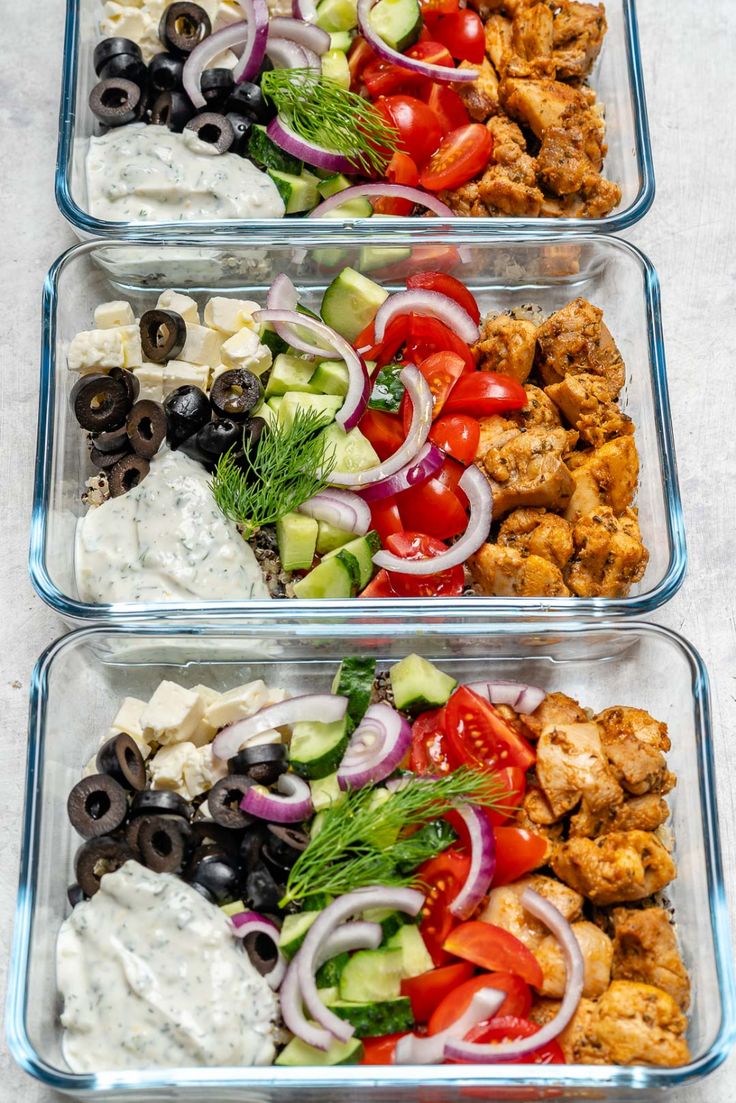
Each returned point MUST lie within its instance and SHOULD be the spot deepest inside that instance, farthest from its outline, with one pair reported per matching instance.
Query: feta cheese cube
(229, 315)
(182, 304)
(179, 373)
(132, 349)
(226, 59)
(168, 765)
(95, 350)
(151, 378)
(226, 13)
(124, 22)
(128, 719)
(240, 702)
(172, 714)
(202, 345)
(116, 313)
(201, 771)
(205, 732)
(244, 350)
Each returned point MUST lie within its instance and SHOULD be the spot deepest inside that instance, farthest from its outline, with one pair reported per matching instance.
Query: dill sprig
(362, 840)
(321, 111)
(289, 465)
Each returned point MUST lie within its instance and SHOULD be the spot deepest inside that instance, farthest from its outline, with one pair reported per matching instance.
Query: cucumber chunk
(372, 975)
(358, 557)
(296, 535)
(340, 1053)
(341, 40)
(299, 193)
(351, 302)
(373, 257)
(397, 22)
(316, 749)
(294, 931)
(329, 538)
(375, 1018)
(333, 184)
(328, 975)
(291, 373)
(325, 792)
(335, 67)
(330, 578)
(326, 404)
(418, 685)
(353, 451)
(337, 15)
(354, 680)
(267, 155)
(330, 377)
(415, 958)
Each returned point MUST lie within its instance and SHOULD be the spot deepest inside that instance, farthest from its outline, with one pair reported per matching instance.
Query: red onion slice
(256, 16)
(376, 748)
(442, 73)
(522, 697)
(421, 422)
(301, 32)
(292, 805)
(547, 913)
(430, 304)
(282, 295)
(304, 9)
(326, 707)
(475, 485)
(202, 54)
(285, 54)
(482, 862)
(427, 460)
(246, 923)
(341, 508)
(396, 191)
(281, 133)
(356, 399)
(413, 1049)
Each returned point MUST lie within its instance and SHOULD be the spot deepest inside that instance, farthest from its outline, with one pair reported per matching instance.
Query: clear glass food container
(501, 272)
(617, 78)
(75, 686)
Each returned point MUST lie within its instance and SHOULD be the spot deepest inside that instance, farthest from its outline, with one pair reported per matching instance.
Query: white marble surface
(690, 235)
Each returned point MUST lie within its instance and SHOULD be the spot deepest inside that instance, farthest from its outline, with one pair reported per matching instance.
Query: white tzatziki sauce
(151, 976)
(141, 173)
(165, 540)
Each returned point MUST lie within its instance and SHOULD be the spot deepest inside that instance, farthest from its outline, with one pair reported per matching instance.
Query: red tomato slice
(447, 106)
(512, 784)
(383, 430)
(463, 154)
(518, 999)
(384, 78)
(484, 393)
(461, 32)
(385, 517)
(447, 285)
(419, 129)
(430, 753)
(380, 586)
(450, 475)
(495, 949)
(509, 1028)
(379, 1051)
(441, 370)
(444, 876)
(458, 435)
(359, 56)
(428, 990)
(518, 851)
(428, 335)
(479, 732)
(434, 509)
(447, 6)
(417, 545)
(400, 170)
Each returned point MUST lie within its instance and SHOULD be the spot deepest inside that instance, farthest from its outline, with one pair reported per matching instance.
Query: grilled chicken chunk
(609, 555)
(615, 868)
(504, 907)
(572, 765)
(574, 341)
(645, 813)
(631, 1024)
(607, 478)
(556, 709)
(536, 532)
(503, 572)
(645, 949)
(597, 950)
(507, 345)
(635, 744)
(529, 471)
(586, 404)
(577, 37)
(480, 96)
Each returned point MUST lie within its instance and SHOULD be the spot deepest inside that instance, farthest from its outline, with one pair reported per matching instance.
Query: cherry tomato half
(418, 545)
(419, 129)
(441, 370)
(447, 106)
(385, 517)
(430, 752)
(461, 32)
(509, 1028)
(428, 990)
(380, 586)
(509, 787)
(379, 1051)
(434, 509)
(485, 393)
(495, 949)
(444, 876)
(479, 733)
(518, 852)
(438, 6)
(447, 285)
(463, 154)
(360, 55)
(518, 999)
(458, 435)
(383, 430)
(400, 170)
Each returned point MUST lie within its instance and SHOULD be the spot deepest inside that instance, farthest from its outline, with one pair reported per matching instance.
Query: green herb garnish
(362, 840)
(324, 113)
(289, 466)
(388, 390)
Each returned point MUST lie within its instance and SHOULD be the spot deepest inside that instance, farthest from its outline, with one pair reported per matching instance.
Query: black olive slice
(114, 47)
(183, 26)
(96, 805)
(235, 393)
(172, 109)
(187, 410)
(163, 335)
(130, 381)
(125, 67)
(116, 440)
(105, 460)
(120, 757)
(262, 891)
(262, 951)
(223, 801)
(216, 879)
(99, 402)
(97, 857)
(216, 86)
(251, 843)
(263, 764)
(281, 849)
(160, 802)
(165, 72)
(217, 436)
(146, 427)
(242, 127)
(206, 832)
(117, 101)
(213, 129)
(248, 99)
(162, 841)
(126, 474)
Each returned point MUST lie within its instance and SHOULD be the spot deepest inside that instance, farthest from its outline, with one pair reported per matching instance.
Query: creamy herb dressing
(141, 173)
(165, 540)
(151, 976)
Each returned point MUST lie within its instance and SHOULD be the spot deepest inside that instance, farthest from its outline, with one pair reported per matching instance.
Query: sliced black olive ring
(183, 26)
(96, 805)
(235, 393)
(116, 440)
(163, 335)
(251, 843)
(121, 758)
(117, 101)
(216, 86)
(187, 410)
(126, 474)
(262, 891)
(263, 763)
(99, 402)
(114, 47)
(162, 841)
(215, 879)
(130, 381)
(97, 857)
(223, 801)
(172, 109)
(146, 427)
(262, 951)
(105, 460)
(216, 130)
(125, 67)
(160, 802)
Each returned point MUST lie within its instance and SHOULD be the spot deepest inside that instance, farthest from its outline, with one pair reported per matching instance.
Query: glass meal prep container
(501, 272)
(617, 78)
(598, 664)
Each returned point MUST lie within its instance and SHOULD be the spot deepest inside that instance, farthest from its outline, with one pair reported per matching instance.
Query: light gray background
(690, 235)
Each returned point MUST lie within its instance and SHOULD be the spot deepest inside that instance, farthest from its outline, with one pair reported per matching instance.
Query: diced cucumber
(415, 958)
(358, 557)
(296, 535)
(294, 931)
(267, 412)
(372, 975)
(373, 257)
(354, 680)
(397, 22)
(341, 40)
(333, 184)
(376, 1018)
(328, 976)
(317, 902)
(267, 155)
(353, 451)
(357, 207)
(330, 578)
(234, 908)
(274, 404)
(271, 339)
(325, 792)
(291, 373)
(329, 995)
(299, 1053)
(299, 193)
(325, 404)
(335, 67)
(351, 302)
(337, 15)
(390, 921)
(316, 749)
(330, 377)
(329, 537)
(418, 685)
(329, 258)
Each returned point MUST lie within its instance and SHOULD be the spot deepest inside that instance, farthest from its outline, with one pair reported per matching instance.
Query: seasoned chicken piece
(504, 907)
(531, 40)
(577, 37)
(540, 104)
(507, 346)
(615, 868)
(597, 197)
(495, 431)
(529, 471)
(540, 412)
(607, 478)
(645, 813)
(572, 765)
(585, 402)
(556, 709)
(465, 201)
(502, 572)
(509, 184)
(479, 96)
(635, 744)
(645, 949)
(574, 341)
(641, 1025)
(536, 532)
(609, 554)
(499, 34)
(535, 815)
(597, 950)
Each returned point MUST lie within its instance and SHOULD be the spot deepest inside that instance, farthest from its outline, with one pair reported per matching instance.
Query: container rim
(86, 224)
(599, 1077)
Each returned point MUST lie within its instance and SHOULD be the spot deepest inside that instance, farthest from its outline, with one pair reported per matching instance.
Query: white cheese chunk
(201, 771)
(172, 714)
(182, 304)
(128, 719)
(229, 315)
(96, 350)
(151, 378)
(205, 732)
(132, 349)
(202, 345)
(167, 766)
(179, 373)
(115, 313)
(244, 350)
(240, 702)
